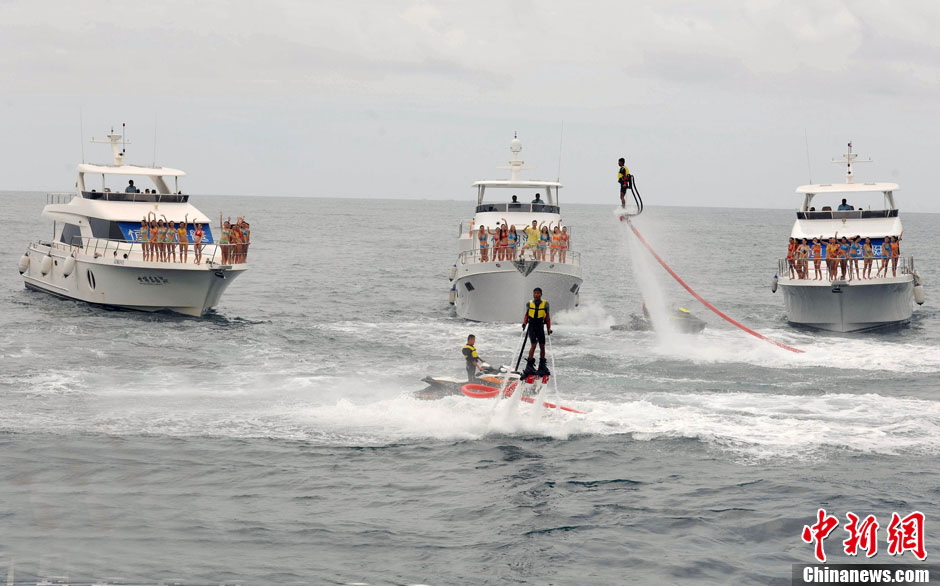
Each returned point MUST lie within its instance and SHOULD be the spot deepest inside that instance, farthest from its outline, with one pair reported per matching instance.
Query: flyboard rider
(536, 318)
(624, 179)
(472, 358)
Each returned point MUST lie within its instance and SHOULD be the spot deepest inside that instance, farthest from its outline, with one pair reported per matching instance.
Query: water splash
(652, 292)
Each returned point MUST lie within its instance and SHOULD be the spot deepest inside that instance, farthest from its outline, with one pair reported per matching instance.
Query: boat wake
(745, 425)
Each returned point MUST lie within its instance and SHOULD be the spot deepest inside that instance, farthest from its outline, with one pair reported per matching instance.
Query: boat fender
(69, 266)
(479, 391)
(23, 265)
(452, 296)
(773, 284)
(918, 290)
(46, 265)
(453, 272)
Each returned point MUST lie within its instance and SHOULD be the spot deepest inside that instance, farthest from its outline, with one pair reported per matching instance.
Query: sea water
(278, 439)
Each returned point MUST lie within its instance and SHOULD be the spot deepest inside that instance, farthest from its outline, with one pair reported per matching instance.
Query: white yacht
(492, 285)
(96, 252)
(846, 301)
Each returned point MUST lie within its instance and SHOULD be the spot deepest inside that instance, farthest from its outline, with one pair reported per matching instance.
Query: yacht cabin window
(71, 234)
(105, 229)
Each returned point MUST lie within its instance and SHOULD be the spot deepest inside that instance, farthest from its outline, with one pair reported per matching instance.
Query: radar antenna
(849, 159)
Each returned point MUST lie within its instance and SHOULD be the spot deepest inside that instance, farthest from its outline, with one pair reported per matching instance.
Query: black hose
(636, 195)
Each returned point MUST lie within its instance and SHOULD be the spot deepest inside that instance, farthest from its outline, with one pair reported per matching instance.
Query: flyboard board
(625, 214)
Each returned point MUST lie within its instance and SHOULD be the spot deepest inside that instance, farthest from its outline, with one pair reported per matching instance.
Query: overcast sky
(710, 102)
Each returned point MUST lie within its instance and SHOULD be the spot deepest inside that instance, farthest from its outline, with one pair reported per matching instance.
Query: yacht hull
(497, 292)
(186, 289)
(849, 306)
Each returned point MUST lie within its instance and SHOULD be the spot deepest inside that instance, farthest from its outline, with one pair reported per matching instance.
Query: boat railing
(136, 196)
(905, 265)
(129, 250)
(845, 214)
(567, 257)
(59, 197)
(539, 208)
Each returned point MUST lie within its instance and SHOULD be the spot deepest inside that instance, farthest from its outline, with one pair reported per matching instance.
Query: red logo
(904, 534)
(864, 536)
(819, 532)
(907, 534)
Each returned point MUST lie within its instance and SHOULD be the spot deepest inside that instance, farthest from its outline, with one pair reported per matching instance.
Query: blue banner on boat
(131, 232)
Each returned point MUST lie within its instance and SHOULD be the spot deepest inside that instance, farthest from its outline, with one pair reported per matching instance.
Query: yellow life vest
(622, 175)
(473, 352)
(537, 311)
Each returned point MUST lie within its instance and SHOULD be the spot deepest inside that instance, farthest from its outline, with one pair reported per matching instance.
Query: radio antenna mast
(154, 139)
(809, 167)
(81, 131)
(561, 142)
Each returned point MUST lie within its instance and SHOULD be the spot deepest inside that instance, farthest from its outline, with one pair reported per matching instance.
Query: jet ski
(444, 386)
(679, 317)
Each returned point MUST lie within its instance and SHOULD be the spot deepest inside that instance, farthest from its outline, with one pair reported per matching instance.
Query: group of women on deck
(505, 243)
(160, 238)
(234, 240)
(843, 254)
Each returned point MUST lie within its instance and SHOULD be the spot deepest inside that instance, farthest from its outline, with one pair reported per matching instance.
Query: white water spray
(651, 291)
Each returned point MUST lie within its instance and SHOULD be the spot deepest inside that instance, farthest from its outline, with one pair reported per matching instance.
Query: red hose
(484, 392)
(699, 297)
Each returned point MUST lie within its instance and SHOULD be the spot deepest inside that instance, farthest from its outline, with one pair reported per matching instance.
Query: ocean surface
(278, 440)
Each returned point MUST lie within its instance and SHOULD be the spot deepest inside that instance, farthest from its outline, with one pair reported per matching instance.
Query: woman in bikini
(791, 257)
(197, 243)
(804, 260)
(481, 239)
(844, 256)
(513, 242)
(246, 238)
(868, 252)
(832, 257)
(234, 242)
(556, 243)
(564, 243)
(502, 242)
(183, 239)
(161, 238)
(816, 254)
(885, 255)
(545, 237)
(151, 237)
(144, 237)
(855, 253)
(223, 242)
(895, 254)
(171, 239)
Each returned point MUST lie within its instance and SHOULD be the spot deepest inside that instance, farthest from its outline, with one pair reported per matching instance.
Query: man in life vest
(536, 317)
(472, 358)
(623, 178)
